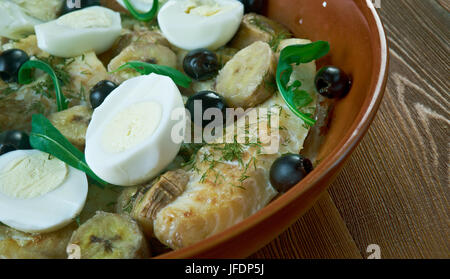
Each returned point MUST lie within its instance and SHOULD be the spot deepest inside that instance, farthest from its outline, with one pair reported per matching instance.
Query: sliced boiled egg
(14, 22)
(129, 139)
(94, 28)
(39, 193)
(194, 24)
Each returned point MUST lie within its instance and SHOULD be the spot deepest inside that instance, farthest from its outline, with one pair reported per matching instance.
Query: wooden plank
(320, 233)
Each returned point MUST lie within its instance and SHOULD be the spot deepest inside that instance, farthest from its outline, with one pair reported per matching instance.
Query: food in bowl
(187, 118)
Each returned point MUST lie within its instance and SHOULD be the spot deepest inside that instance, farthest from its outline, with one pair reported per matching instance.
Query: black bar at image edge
(221, 268)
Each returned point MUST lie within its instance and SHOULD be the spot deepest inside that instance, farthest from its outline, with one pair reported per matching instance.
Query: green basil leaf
(147, 68)
(296, 54)
(25, 77)
(301, 99)
(45, 137)
(143, 16)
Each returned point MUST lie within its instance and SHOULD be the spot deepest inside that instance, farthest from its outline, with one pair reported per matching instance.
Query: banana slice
(141, 51)
(110, 236)
(158, 195)
(73, 123)
(129, 37)
(256, 27)
(248, 79)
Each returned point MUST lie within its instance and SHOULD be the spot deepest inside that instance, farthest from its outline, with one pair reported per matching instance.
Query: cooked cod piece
(110, 236)
(44, 10)
(248, 79)
(73, 123)
(256, 27)
(141, 51)
(18, 245)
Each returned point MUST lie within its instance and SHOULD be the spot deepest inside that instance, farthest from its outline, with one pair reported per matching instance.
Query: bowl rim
(344, 148)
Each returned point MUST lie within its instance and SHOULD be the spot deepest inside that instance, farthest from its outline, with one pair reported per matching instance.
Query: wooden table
(394, 191)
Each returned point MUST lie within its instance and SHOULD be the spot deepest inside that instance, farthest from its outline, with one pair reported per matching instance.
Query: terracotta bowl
(358, 46)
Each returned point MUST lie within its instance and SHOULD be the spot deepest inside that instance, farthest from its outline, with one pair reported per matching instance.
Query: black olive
(5, 148)
(253, 6)
(209, 99)
(288, 170)
(100, 91)
(73, 5)
(332, 82)
(10, 62)
(201, 64)
(18, 139)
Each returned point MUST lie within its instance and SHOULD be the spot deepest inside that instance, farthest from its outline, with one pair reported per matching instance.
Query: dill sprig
(277, 38)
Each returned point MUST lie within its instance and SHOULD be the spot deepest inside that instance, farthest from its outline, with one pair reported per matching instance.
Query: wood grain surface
(394, 191)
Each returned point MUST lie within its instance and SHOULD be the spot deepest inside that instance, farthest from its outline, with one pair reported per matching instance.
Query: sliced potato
(249, 78)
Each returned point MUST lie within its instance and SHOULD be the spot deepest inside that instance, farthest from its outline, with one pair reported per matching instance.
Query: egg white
(68, 36)
(147, 155)
(48, 212)
(15, 23)
(193, 30)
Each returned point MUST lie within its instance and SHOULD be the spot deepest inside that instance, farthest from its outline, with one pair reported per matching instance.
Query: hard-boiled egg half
(14, 22)
(129, 139)
(194, 24)
(94, 28)
(39, 193)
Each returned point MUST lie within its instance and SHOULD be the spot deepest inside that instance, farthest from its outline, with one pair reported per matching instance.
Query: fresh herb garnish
(77, 220)
(277, 38)
(147, 68)
(292, 95)
(45, 137)
(25, 77)
(143, 16)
